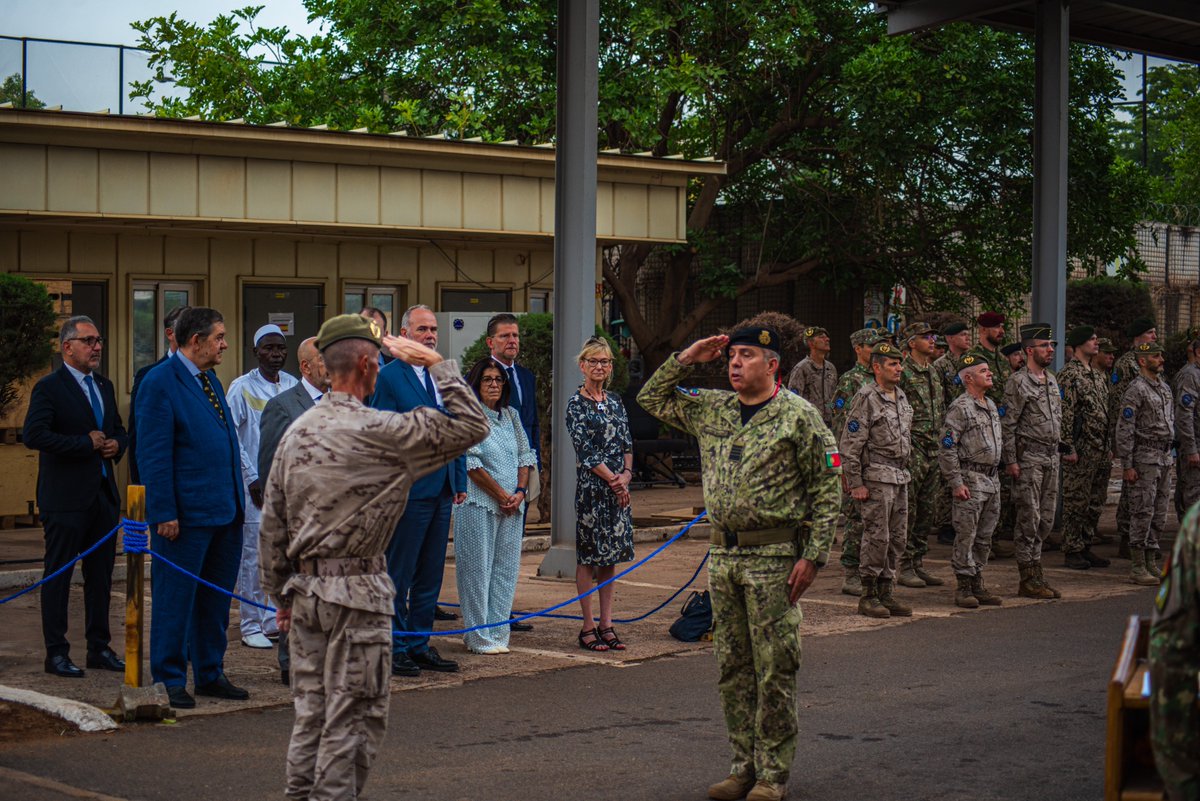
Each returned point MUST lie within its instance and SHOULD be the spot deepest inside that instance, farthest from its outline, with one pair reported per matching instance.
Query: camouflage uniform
(923, 389)
(1175, 667)
(338, 485)
(1001, 372)
(876, 447)
(1187, 410)
(1145, 428)
(1031, 419)
(816, 385)
(1085, 431)
(970, 456)
(849, 385)
(766, 477)
(1124, 370)
(946, 367)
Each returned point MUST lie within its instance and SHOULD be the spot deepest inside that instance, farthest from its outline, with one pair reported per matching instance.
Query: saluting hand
(704, 350)
(410, 351)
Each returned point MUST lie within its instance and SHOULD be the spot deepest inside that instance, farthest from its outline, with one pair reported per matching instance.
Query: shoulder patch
(957, 381)
(1062, 392)
(839, 403)
(691, 392)
(1001, 410)
(948, 441)
(852, 426)
(833, 459)
(1187, 399)
(1127, 413)
(1116, 379)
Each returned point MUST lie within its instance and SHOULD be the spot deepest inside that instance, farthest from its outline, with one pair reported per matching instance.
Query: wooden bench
(1129, 772)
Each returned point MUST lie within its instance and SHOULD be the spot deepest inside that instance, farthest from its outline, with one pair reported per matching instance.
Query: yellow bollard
(135, 564)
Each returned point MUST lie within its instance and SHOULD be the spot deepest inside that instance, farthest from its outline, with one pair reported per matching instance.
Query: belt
(741, 539)
(1033, 446)
(349, 566)
(984, 469)
(896, 463)
(1162, 444)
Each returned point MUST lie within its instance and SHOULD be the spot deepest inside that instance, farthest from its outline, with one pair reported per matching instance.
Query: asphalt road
(1001, 704)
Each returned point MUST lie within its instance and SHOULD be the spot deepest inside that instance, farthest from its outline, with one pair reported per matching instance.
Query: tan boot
(1154, 564)
(982, 594)
(908, 575)
(766, 791)
(1030, 586)
(897, 609)
(929, 579)
(1041, 577)
(1138, 573)
(733, 788)
(868, 602)
(852, 584)
(962, 594)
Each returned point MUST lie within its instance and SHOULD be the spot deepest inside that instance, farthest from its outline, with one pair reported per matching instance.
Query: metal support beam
(1182, 11)
(574, 253)
(917, 15)
(1050, 167)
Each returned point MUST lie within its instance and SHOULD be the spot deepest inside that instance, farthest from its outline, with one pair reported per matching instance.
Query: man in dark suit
(189, 460)
(169, 332)
(74, 424)
(504, 341)
(279, 413)
(417, 552)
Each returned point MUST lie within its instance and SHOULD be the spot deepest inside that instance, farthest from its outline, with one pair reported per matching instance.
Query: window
(540, 301)
(481, 300)
(387, 299)
(151, 302)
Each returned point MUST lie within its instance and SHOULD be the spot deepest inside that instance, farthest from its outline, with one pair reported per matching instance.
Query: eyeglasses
(599, 362)
(91, 342)
(491, 379)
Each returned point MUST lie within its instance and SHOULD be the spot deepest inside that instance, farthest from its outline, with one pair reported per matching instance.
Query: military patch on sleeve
(1001, 410)
(957, 381)
(839, 403)
(1062, 392)
(1127, 413)
(852, 426)
(691, 392)
(948, 440)
(1187, 399)
(1116, 379)
(833, 459)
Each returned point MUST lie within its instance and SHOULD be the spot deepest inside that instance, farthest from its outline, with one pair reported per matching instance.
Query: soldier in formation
(1187, 410)
(1141, 331)
(815, 378)
(770, 465)
(990, 328)
(922, 387)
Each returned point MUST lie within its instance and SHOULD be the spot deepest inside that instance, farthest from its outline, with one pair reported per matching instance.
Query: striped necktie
(212, 396)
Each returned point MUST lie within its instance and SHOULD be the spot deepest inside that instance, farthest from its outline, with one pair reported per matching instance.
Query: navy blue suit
(78, 500)
(416, 554)
(526, 406)
(138, 377)
(189, 461)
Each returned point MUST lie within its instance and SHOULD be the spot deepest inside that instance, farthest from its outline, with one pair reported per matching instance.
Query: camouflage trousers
(341, 670)
(1035, 494)
(1149, 497)
(1006, 526)
(885, 527)
(1083, 483)
(1187, 481)
(756, 637)
(1175, 726)
(974, 522)
(1123, 513)
(924, 489)
(851, 532)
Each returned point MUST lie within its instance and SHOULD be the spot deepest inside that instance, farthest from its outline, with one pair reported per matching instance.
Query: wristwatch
(521, 490)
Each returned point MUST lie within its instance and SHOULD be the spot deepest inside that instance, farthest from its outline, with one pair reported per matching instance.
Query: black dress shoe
(222, 688)
(180, 697)
(441, 614)
(105, 660)
(519, 626)
(61, 665)
(430, 660)
(285, 677)
(402, 665)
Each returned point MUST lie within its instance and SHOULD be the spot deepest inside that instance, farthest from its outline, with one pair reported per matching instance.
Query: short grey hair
(71, 327)
(408, 313)
(341, 357)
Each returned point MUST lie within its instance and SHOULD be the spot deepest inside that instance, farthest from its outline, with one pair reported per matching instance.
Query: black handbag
(695, 618)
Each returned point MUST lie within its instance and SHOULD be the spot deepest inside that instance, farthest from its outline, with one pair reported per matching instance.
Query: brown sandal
(609, 638)
(594, 644)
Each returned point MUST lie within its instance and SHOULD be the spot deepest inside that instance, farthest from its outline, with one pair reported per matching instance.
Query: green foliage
(10, 92)
(1109, 305)
(26, 333)
(1172, 134)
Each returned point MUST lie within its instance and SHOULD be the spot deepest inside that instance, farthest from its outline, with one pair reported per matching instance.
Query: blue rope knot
(136, 536)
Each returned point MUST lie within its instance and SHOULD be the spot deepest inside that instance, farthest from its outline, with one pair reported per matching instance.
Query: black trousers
(69, 534)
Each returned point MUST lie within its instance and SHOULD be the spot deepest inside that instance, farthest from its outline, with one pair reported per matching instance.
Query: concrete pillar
(1050, 168)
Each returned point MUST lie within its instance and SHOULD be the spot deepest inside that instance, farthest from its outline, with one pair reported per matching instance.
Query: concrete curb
(85, 717)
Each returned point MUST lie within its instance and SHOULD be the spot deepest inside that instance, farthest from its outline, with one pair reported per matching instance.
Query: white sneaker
(502, 649)
(490, 650)
(258, 640)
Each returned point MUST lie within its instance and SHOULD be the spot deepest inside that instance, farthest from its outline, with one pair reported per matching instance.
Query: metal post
(574, 253)
(1053, 54)
(121, 79)
(24, 70)
(135, 610)
(1145, 103)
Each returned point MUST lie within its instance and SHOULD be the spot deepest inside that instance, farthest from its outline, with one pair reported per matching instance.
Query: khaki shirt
(340, 481)
(816, 385)
(1031, 419)
(876, 441)
(1146, 423)
(1187, 408)
(972, 439)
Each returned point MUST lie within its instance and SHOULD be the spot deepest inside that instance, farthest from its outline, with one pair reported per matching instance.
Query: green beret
(886, 349)
(1011, 348)
(917, 330)
(954, 328)
(1139, 326)
(1147, 347)
(814, 331)
(970, 359)
(348, 326)
(1036, 331)
(1106, 345)
(759, 336)
(1080, 334)
(864, 336)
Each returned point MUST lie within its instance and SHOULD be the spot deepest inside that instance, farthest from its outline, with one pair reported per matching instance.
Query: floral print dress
(600, 433)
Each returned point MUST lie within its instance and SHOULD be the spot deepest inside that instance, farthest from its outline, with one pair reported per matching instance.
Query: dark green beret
(1036, 331)
(954, 328)
(971, 359)
(1147, 347)
(1011, 348)
(348, 326)
(887, 349)
(814, 331)
(1080, 334)
(1139, 327)
(759, 336)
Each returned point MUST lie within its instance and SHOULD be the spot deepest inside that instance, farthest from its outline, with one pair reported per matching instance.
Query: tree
(1109, 305)
(26, 334)
(1172, 134)
(854, 157)
(10, 92)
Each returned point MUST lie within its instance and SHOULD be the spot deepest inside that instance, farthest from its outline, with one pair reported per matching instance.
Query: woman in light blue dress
(489, 524)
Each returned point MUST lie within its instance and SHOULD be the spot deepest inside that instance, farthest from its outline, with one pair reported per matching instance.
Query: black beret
(1080, 334)
(1011, 348)
(954, 328)
(759, 336)
(1139, 327)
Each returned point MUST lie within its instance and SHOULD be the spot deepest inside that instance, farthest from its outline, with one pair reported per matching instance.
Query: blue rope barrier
(68, 566)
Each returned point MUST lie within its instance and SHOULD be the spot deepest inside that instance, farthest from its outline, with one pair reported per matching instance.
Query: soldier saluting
(768, 463)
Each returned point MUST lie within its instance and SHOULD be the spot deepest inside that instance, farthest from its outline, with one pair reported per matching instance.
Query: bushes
(26, 333)
(1109, 305)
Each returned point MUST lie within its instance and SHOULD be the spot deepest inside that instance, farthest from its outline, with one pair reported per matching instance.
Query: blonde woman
(599, 431)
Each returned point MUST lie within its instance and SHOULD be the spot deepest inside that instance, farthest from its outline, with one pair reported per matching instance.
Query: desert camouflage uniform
(848, 386)
(1001, 372)
(778, 470)
(923, 389)
(946, 366)
(1085, 430)
(970, 455)
(1187, 410)
(876, 448)
(1175, 667)
(1145, 427)
(816, 385)
(1125, 369)
(1031, 420)
(339, 483)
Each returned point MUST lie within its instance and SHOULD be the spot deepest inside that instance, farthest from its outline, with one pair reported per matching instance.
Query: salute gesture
(704, 350)
(410, 351)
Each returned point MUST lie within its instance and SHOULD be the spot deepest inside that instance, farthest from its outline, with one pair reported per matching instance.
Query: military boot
(962, 594)
(1030, 587)
(1093, 560)
(1076, 560)
(868, 602)
(982, 594)
(1123, 551)
(1138, 573)
(894, 607)
(929, 579)
(1041, 577)
(852, 584)
(908, 575)
(766, 791)
(1003, 549)
(733, 788)
(1154, 565)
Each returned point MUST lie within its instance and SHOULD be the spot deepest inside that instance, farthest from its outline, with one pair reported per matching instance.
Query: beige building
(293, 225)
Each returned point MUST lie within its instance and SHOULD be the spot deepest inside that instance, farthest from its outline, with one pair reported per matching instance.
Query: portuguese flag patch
(833, 459)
